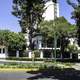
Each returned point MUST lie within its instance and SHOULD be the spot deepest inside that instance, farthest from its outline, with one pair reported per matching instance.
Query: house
(3, 51)
(51, 12)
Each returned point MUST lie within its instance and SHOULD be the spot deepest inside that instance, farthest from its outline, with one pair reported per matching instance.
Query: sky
(10, 22)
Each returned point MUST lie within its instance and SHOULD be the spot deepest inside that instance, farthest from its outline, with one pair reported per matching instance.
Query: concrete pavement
(76, 66)
(15, 61)
(15, 75)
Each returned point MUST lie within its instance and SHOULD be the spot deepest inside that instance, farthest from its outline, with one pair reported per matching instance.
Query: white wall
(49, 12)
(2, 55)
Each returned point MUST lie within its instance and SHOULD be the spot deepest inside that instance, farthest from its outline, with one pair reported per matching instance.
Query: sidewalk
(15, 61)
(76, 66)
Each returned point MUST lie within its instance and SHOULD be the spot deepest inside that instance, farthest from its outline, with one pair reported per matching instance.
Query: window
(3, 50)
(0, 50)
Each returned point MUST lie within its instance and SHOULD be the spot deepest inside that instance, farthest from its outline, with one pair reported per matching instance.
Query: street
(47, 74)
(14, 75)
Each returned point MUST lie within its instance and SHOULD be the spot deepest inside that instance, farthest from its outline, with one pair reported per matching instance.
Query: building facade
(3, 51)
(51, 12)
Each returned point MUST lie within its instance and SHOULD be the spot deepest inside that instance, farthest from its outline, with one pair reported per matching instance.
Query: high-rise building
(52, 10)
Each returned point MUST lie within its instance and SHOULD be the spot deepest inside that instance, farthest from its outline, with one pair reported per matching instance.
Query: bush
(37, 53)
(24, 59)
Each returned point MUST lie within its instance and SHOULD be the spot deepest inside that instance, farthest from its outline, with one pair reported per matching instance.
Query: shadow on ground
(56, 74)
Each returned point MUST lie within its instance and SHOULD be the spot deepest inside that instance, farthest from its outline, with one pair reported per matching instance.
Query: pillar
(17, 53)
(40, 44)
(70, 55)
(61, 56)
(78, 55)
(30, 55)
(41, 54)
(6, 52)
(1, 50)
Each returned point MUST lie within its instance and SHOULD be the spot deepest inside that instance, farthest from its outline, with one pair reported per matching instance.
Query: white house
(3, 51)
(51, 12)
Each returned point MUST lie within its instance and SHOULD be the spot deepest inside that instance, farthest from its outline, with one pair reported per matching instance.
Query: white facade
(3, 52)
(52, 10)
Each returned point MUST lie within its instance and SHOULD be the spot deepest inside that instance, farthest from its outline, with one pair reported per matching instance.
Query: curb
(16, 69)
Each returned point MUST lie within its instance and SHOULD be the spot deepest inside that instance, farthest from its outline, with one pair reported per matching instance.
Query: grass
(33, 67)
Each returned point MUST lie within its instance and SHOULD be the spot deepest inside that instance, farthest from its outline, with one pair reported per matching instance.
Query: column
(30, 55)
(41, 54)
(61, 56)
(17, 53)
(78, 55)
(57, 4)
(70, 55)
(40, 43)
(1, 50)
(6, 52)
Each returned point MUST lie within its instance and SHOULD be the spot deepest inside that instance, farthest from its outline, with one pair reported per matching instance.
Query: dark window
(3, 50)
(0, 50)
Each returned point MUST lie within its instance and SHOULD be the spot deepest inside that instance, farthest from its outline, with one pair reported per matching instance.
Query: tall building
(52, 10)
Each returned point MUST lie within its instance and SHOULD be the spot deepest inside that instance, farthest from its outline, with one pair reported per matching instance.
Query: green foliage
(4, 37)
(76, 15)
(76, 12)
(72, 48)
(16, 41)
(40, 66)
(12, 40)
(57, 29)
(59, 26)
(24, 59)
(28, 12)
(37, 53)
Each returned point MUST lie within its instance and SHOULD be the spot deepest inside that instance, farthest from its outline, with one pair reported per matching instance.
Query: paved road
(50, 74)
(19, 76)
(15, 75)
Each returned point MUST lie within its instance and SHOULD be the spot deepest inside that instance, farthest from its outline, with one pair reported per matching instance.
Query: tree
(4, 37)
(76, 15)
(13, 41)
(16, 41)
(59, 28)
(29, 13)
